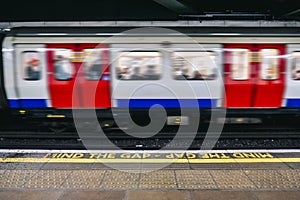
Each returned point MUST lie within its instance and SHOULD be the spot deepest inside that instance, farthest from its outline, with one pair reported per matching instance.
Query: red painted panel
(61, 92)
(269, 93)
(96, 93)
(238, 93)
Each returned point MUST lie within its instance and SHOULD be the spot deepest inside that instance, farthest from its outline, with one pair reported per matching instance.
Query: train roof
(164, 30)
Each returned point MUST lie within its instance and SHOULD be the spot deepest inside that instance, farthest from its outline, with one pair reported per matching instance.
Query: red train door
(95, 77)
(254, 75)
(270, 78)
(239, 75)
(62, 71)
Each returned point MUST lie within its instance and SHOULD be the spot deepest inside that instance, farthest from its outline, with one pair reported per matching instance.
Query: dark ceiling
(92, 10)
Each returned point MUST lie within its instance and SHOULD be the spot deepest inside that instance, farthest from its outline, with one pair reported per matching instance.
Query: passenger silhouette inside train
(124, 73)
(181, 74)
(150, 73)
(33, 69)
(137, 75)
(296, 74)
(198, 76)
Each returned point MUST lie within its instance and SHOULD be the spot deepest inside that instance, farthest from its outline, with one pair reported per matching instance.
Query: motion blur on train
(252, 74)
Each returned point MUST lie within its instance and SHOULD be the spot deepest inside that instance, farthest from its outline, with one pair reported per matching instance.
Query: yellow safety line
(118, 160)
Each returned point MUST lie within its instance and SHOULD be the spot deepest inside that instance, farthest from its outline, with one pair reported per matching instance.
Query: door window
(93, 64)
(239, 64)
(269, 64)
(63, 68)
(31, 65)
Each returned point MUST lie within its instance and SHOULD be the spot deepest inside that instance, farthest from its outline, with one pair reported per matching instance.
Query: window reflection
(194, 65)
(139, 66)
(269, 64)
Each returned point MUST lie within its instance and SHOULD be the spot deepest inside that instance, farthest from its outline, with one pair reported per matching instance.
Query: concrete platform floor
(147, 195)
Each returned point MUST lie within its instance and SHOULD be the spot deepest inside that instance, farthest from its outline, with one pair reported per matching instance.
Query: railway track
(232, 137)
(226, 141)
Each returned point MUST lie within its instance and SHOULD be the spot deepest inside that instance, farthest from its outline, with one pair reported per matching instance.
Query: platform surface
(244, 174)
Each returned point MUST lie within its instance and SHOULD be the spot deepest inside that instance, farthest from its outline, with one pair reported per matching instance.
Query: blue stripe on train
(27, 103)
(167, 103)
(293, 103)
(13, 103)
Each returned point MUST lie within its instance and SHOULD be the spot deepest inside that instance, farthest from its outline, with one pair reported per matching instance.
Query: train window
(194, 65)
(239, 64)
(31, 65)
(296, 65)
(269, 64)
(138, 65)
(93, 64)
(63, 68)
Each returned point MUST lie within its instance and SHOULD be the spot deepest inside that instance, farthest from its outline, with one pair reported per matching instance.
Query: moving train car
(252, 73)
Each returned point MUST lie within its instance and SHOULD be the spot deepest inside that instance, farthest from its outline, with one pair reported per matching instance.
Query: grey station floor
(243, 174)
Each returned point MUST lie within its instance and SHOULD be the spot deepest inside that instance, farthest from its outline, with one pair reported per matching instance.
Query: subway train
(252, 74)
